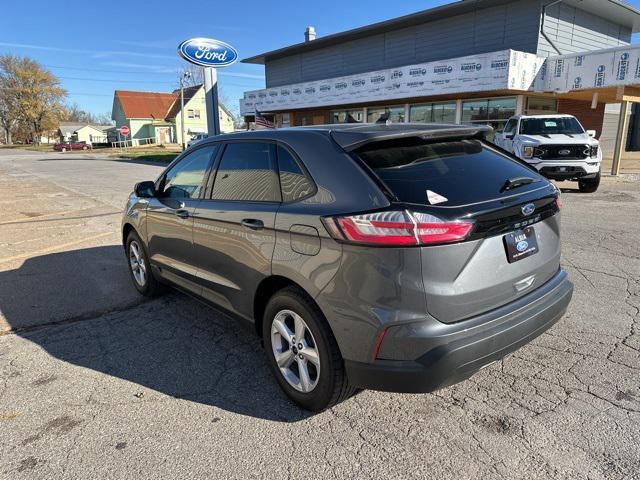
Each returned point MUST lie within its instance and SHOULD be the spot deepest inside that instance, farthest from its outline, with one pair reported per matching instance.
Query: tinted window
(462, 171)
(185, 178)
(293, 182)
(247, 171)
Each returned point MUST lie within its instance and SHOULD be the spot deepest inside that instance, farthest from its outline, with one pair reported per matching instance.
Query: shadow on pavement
(173, 345)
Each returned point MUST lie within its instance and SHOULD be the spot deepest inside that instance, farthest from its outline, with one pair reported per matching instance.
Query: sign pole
(211, 99)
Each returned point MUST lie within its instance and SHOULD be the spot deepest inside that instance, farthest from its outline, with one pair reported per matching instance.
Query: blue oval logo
(522, 245)
(208, 52)
(528, 209)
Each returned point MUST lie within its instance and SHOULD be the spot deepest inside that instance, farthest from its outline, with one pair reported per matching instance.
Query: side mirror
(591, 133)
(145, 189)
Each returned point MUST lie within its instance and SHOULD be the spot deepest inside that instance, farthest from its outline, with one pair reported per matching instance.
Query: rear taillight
(432, 229)
(397, 228)
(558, 202)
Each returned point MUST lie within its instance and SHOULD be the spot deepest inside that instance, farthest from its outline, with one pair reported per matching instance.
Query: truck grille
(562, 152)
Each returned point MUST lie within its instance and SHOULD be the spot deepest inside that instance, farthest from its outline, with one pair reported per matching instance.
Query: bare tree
(73, 113)
(195, 77)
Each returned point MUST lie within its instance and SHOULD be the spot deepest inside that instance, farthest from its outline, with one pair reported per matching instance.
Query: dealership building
(472, 61)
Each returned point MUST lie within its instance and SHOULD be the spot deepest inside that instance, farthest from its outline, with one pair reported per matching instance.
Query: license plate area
(520, 244)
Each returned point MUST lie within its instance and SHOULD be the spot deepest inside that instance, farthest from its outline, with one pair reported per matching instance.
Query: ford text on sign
(208, 52)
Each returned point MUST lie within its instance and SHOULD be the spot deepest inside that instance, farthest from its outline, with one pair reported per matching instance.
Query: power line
(151, 72)
(111, 94)
(136, 72)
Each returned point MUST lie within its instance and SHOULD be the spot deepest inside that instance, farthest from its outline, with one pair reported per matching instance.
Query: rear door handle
(182, 213)
(252, 223)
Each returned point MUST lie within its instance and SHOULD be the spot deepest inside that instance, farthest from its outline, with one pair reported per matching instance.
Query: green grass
(157, 154)
(34, 148)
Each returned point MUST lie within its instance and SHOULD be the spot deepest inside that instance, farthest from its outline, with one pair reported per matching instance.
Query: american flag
(263, 122)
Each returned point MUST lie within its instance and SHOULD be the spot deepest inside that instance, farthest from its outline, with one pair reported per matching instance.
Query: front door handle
(252, 223)
(182, 213)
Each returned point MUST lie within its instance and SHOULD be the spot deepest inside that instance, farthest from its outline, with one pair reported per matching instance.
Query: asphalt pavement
(97, 383)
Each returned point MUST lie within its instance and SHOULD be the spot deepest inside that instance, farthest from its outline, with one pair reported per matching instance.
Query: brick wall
(590, 118)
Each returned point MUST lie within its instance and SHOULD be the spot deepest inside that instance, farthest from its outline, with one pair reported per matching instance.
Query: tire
(589, 185)
(330, 383)
(146, 283)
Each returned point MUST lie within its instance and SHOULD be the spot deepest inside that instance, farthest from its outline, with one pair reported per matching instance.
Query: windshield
(550, 126)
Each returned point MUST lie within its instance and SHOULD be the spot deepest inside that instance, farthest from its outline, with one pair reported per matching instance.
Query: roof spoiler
(352, 140)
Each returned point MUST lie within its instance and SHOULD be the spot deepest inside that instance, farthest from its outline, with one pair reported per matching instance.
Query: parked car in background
(196, 138)
(65, 146)
(557, 146)
(401, 257)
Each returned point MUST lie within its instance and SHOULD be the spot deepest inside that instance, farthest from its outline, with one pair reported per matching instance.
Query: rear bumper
(457, 352)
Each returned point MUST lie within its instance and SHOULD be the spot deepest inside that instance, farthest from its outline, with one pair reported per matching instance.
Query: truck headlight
(594, 151)
(527, 152)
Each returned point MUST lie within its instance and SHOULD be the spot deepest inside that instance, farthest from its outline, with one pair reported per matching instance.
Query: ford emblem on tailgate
(208, 52)
(528, 209)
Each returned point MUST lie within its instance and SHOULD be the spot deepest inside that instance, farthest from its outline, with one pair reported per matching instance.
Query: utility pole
(185, 76)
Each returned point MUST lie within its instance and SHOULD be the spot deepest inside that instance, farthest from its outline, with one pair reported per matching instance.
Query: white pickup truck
(556, 145)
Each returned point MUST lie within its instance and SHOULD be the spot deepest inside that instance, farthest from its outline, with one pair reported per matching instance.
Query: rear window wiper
(516, 182)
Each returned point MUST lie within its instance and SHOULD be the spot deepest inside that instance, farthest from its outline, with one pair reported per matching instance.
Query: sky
(95, 47)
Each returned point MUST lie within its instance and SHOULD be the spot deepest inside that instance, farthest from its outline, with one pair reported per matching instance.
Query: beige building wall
(196, 107)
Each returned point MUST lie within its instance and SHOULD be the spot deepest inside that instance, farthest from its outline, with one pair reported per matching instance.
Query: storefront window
(541, 105)
(493, 111)
(283, 120)
(433, 113)
(347, 116)
(393, 114)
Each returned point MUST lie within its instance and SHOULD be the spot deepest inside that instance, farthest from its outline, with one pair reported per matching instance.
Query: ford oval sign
(208, 52)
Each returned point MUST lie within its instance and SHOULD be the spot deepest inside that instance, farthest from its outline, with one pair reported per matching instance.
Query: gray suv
(400, 258)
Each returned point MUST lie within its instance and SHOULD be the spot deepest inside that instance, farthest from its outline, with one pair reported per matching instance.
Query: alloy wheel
(295, 351)
(136, 262)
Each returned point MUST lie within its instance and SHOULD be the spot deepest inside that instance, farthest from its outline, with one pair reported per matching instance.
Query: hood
(559, 139)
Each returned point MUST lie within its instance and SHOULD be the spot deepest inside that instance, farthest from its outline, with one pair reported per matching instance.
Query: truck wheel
(589, 185)
(302, 352)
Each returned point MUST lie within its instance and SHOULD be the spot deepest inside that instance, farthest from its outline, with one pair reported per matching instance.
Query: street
(98, 382)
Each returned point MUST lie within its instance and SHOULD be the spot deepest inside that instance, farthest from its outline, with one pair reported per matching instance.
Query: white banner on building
(466, 74)
(504, 70)
(604, 68)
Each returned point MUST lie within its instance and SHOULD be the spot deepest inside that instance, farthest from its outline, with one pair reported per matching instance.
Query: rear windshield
(550, 126)
(451, 173)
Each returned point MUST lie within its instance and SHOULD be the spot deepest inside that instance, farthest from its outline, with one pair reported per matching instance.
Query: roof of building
(154, 105)
(71, 127)
(189, 93)
(615, 11)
